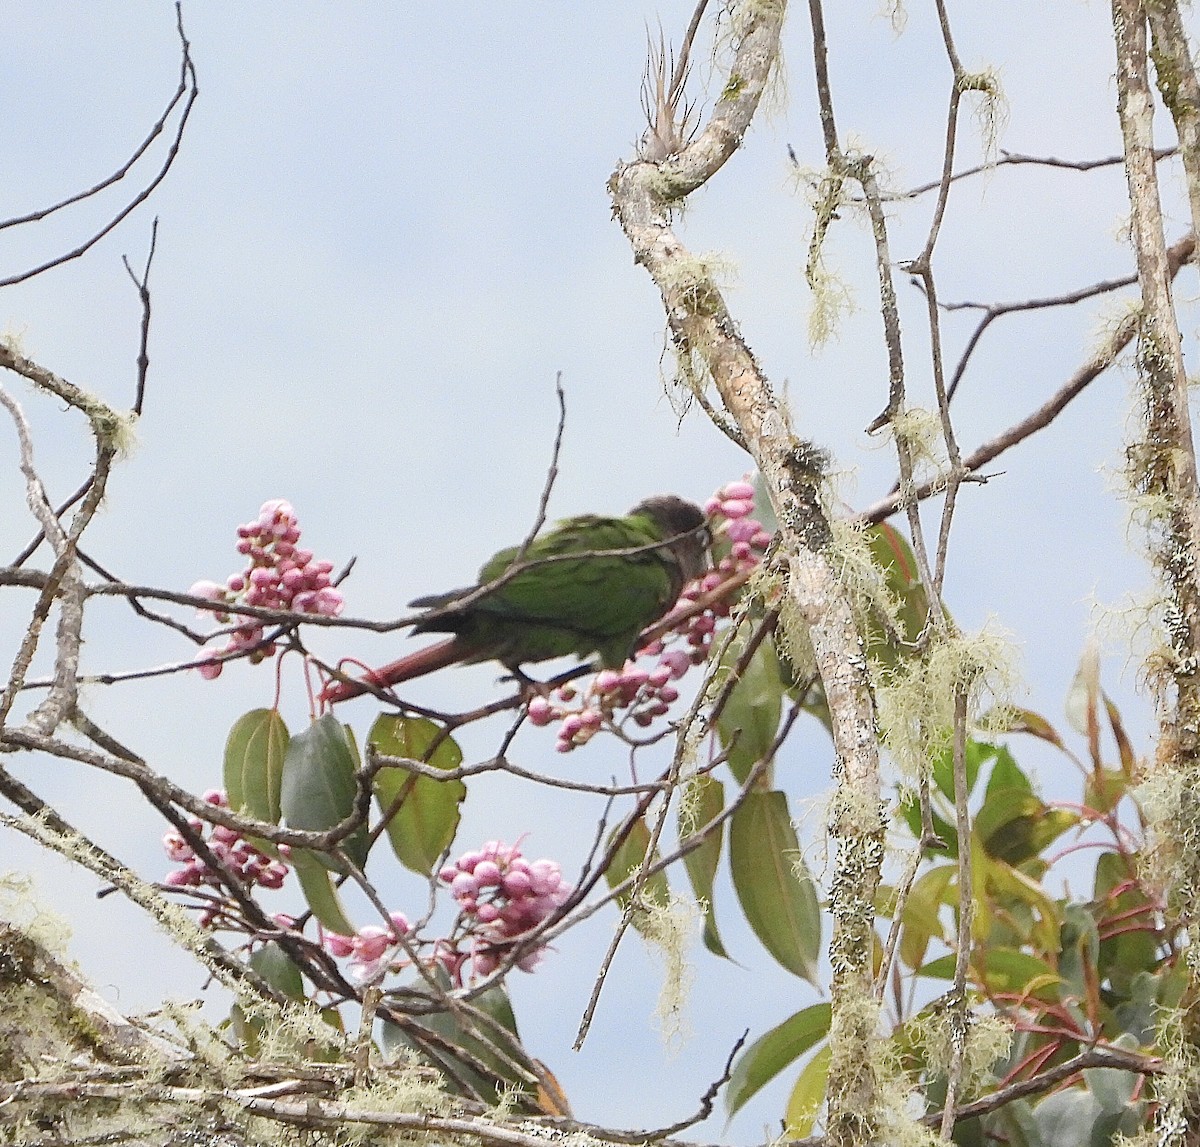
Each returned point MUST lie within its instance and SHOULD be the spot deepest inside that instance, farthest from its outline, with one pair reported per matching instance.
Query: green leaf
(894, 556)
(1027, 721)
(1006, 773)
(1026, 829)
(750, 719)
(922, 913)
(1072, 1118)
(772, 883)
(627, 860)
(1010, 888)
(768, 1055)
(276, 967)
(428, 816)
(1008, 971)
(320, 894)
(498, 1048)
(318, 787)
(807, 1096)
(703, 802)
(254, 755)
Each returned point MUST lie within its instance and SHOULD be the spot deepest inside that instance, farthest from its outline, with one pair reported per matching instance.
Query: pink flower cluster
(246, 861)
(371, 949)
(501, 895)
(278, 575)
(643, 695)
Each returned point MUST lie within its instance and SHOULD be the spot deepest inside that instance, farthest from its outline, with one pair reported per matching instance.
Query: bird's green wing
(593, 604)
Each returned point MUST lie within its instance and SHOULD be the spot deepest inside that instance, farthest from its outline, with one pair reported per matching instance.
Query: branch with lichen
(1162, 475)
(794, 474)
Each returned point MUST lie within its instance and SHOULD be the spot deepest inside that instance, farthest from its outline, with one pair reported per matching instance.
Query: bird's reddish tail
(427, 660)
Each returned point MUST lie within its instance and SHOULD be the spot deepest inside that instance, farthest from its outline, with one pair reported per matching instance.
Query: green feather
(594, 604)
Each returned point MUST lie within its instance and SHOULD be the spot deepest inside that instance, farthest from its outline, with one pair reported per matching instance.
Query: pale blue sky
(386, 232)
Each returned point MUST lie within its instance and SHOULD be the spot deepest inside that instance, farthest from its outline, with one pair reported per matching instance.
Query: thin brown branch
(186, 92)
(1108, 353)
(143, 290)
(1016, 159)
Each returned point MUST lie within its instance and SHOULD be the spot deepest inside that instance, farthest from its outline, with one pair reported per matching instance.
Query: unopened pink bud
(339, 946)
(447, 874)
(210, 668)
(176, 848)
(484, 963)
(742, 491)
(463, 885)
(540, 712)
(570, 726)
(531, 960)
(607, 680)
(544, 876)
(468, 860)
(487, 913)
(272, 877)
(400, 924)
(371, 942)
(209, 590)
(733, 508)
(743, 529)
(487, 873)
(677, 661)
(329, 601)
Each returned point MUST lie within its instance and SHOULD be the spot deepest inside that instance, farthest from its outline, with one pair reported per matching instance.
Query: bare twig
(186, 94)
(1179, 254)
(143, 290)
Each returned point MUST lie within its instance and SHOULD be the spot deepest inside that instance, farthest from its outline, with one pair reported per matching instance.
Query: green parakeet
(582, 606)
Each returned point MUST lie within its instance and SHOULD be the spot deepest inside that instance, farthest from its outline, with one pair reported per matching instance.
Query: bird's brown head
(677, 518)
